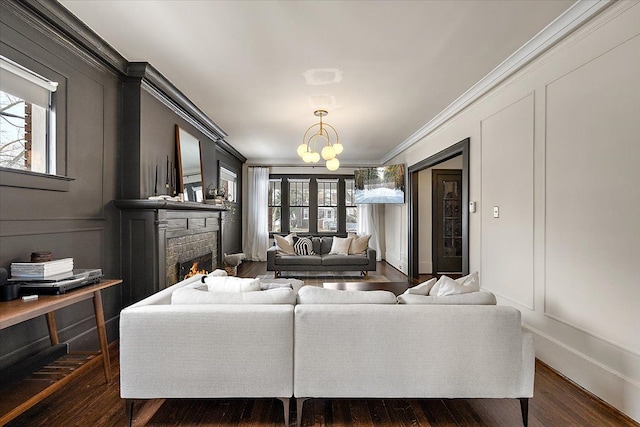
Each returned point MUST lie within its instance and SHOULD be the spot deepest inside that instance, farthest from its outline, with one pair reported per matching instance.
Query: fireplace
(199, 265)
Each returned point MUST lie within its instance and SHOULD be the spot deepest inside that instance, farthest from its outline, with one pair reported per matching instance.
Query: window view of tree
(22, 134)
(275, 206)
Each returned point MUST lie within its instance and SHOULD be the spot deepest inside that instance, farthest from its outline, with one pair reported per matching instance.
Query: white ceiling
(242, 62)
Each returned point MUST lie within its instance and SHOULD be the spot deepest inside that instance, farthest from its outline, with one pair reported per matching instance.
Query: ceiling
(394, 65)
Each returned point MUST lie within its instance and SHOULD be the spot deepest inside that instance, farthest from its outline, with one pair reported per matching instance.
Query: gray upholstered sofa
(321, 260)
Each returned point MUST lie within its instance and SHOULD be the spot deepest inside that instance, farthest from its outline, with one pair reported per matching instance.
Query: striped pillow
(302, 246)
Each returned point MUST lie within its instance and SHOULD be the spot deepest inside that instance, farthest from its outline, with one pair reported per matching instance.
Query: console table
(17, 311)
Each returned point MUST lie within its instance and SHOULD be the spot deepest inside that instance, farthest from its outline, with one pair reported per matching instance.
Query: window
(228, 184)
(275, 205)
(350, 206)
(298, 205)
(27, 119)
(322, 204)
(327, 205)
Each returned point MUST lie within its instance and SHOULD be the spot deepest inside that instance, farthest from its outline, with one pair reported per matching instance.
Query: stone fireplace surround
(157, 236)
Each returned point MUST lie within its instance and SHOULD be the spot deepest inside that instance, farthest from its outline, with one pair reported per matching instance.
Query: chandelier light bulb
(328, 152)
(333, 164)
(315, 157)
(307, 156)
(337, 147)
(302, 148)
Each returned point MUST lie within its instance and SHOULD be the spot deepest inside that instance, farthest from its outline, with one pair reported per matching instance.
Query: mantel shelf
(165, 204)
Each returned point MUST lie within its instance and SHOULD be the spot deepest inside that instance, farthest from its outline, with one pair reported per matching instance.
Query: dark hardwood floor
(88, 401)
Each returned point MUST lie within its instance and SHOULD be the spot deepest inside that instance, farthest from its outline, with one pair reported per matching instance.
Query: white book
(41, 269)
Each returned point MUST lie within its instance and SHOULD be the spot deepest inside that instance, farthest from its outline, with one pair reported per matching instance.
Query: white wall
(557, 148)
(425, 213)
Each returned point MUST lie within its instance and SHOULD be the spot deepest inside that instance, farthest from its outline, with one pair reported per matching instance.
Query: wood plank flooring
(88, 401)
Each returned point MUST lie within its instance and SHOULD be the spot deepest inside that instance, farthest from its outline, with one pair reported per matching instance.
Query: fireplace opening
(199, 265)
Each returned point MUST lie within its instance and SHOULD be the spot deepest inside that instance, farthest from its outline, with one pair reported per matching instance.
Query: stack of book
(41, 270)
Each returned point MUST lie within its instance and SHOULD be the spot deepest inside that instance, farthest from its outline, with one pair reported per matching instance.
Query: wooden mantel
(166, 204)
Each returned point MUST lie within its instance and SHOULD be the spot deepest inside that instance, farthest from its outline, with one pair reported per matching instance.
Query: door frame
(460, 148)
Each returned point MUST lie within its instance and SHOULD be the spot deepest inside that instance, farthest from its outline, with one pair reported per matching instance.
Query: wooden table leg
(102, 334)
(53, 330)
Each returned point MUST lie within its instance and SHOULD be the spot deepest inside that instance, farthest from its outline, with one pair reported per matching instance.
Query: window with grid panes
(351, 210)
(327, 205)
(275, 206)
(298, 205)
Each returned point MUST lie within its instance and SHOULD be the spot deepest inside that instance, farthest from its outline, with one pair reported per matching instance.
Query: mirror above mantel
(189, 166)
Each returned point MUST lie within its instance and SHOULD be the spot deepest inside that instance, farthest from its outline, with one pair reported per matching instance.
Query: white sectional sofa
(331, 344)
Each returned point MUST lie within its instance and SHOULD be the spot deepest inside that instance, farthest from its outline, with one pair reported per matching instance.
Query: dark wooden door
(447, 220)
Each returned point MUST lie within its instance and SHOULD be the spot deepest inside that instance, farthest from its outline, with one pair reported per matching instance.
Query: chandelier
(307, 150)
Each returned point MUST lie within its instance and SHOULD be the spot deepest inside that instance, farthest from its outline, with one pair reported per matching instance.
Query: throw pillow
(359, 245)
(302, 246)
(447, 286)
(231, 284)
(422, 288)
(285, 244)
(340, 245)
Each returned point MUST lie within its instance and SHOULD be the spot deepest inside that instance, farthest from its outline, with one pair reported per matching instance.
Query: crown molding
(579, 13)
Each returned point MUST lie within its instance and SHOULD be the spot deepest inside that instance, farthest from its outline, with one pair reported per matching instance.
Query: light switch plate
(496, 212)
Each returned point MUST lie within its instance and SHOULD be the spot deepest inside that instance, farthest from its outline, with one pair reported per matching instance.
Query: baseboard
(395, 262)
(425, 267)
(614, 388)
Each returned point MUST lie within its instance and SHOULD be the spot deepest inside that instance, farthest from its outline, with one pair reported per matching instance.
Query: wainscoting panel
(507, 183)
(593, 197)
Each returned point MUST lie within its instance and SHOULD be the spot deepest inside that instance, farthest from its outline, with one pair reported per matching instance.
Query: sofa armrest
(371, 254)
(271, 258)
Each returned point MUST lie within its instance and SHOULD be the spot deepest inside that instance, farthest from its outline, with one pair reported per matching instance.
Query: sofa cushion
(359, 245)
(447, 286)
(303, 246)
(285, 244)
(325, 245)
(231, 284)
(269, 283)
(340, 245)
(472, 298)
(195, 296)
(354, 260)
(317, 245)
(317, 295)
(284, 260)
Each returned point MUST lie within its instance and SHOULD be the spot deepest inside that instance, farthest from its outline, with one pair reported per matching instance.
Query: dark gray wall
(115, 122)
(79, 222)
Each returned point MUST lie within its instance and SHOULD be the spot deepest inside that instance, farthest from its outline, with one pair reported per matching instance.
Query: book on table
(41, 269)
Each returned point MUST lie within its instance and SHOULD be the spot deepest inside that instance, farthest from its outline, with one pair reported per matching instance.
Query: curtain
(256, 239)
(369, 220)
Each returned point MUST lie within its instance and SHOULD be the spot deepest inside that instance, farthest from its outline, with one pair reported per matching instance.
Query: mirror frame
(182, 136)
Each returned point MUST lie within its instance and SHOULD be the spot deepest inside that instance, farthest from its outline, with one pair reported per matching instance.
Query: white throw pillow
(447, 286)
(285, 244)
(359, 245)
(317, 295)
(217, 272)
(340, 246)
(422, 288)
(231, 284)
(194, 296)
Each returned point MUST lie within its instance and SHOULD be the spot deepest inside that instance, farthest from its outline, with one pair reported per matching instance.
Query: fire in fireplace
(199, 265)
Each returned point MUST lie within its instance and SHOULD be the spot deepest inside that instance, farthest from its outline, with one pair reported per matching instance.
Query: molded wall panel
(507, 183)
(593, 197)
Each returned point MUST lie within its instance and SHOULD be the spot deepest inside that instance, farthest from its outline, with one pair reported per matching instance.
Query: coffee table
(396, 287)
